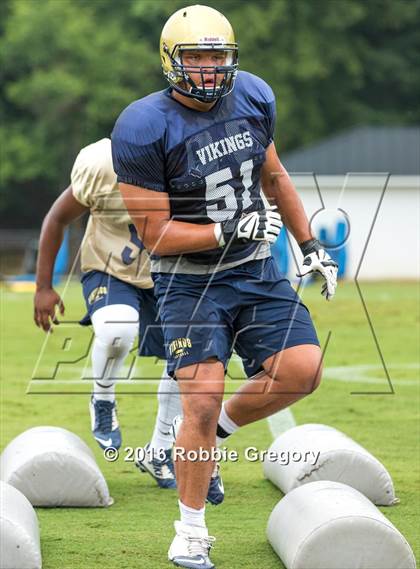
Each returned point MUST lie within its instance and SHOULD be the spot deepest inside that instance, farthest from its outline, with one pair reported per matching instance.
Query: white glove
(317, 260)
(264, 225)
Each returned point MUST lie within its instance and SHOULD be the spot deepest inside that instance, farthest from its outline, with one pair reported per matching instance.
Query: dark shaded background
(68, 68)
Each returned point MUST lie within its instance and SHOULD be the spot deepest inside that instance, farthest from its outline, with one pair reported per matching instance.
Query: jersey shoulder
(95, 156)
(92, 172)
(254, 87)
(143, 121)
(138, 142)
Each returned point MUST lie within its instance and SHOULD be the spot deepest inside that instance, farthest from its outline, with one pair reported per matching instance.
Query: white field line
(352, 374)
(280, 422)
(360, 373)
(284, 420)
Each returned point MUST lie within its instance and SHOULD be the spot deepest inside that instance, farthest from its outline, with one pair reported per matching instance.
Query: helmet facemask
(180, 73)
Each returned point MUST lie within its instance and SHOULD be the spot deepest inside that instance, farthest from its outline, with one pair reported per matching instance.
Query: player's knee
(116, 328)
(117, 339)
(204, 414)
(303, 370)
(313, 378)
(309, 374)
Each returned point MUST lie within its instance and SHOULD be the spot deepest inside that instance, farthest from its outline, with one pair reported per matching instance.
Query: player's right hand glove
(264, 225)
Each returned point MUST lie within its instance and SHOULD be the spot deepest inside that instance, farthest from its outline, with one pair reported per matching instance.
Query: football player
(118, 292)
(191, 162)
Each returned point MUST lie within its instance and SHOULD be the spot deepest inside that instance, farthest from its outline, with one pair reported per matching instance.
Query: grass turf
(137, 529)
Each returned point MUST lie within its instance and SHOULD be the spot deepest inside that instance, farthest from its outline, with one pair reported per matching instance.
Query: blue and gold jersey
(209, 163)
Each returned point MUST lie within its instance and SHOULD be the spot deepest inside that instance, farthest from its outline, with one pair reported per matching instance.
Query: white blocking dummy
(328, 525)
(54, 467)
(328, 454)
(19, 531)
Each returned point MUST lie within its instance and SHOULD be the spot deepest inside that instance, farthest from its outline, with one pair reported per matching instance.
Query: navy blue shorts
(101, 289)
(251, 309)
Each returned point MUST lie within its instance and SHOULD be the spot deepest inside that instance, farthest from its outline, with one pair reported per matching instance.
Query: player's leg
(288, 376)
(157, 459)
(198, 340)
(113, 311)
(169, 407)
(152, 343)
(115, 327)
(201, 388)
(274, 333)
(216, 491)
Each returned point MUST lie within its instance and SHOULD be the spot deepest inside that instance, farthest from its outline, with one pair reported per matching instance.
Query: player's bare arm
(280, 190)
(63, 211)
(150, 212)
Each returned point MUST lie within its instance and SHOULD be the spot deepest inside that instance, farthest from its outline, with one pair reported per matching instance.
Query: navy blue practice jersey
(209, 163)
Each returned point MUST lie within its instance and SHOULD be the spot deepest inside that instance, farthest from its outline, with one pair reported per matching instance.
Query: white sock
(169, 401)
(225, 426)
(192, 517)
(116, 327)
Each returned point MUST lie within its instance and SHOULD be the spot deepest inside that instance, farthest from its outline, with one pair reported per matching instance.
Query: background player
(117, 288)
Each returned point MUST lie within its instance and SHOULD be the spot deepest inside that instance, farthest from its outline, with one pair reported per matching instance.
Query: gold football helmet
(197, 28)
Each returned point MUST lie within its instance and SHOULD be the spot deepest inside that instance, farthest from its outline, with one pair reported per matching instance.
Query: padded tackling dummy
(54, 467)
(329, 525)
(340, 460)
(19, 531)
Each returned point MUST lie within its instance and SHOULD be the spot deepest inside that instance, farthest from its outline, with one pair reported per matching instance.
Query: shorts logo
(178, 347)
(97, 293)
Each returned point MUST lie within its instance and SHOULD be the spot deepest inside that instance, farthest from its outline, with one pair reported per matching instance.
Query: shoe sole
(141, 467)
(215, 503)
(197, 566)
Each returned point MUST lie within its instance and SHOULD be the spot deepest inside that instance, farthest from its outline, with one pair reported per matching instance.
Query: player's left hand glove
(317, 260)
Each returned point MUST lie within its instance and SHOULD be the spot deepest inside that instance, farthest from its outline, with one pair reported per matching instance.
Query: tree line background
(69, 67)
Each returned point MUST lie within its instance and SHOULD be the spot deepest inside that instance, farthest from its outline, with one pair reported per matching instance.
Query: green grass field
(136, 531)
